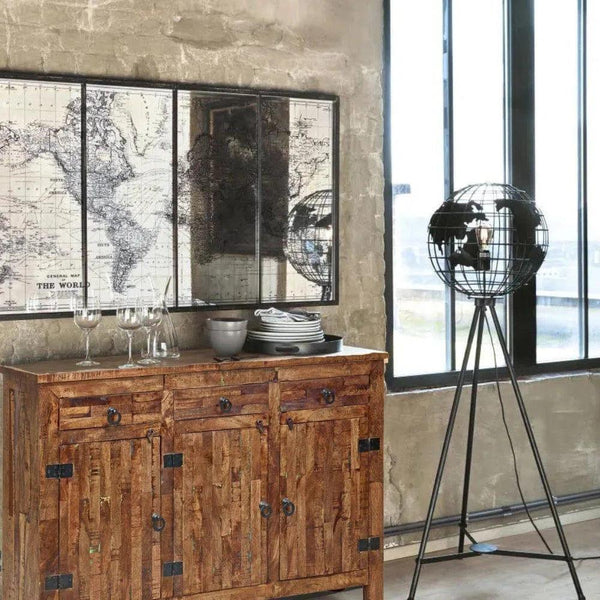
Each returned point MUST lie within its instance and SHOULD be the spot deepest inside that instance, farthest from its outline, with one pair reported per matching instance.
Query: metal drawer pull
(158, 523)
(113, 416)
(290, 423)
(266, 510)
(225, 404)
(260, 426)
(328, 395)
(288, 507)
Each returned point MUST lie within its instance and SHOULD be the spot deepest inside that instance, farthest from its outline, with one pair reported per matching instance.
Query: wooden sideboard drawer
(219, 378)
(323, 393)
(87, 412)
(200, 403)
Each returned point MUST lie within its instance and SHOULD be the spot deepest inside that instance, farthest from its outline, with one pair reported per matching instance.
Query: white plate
(285, 337)
(316, 327)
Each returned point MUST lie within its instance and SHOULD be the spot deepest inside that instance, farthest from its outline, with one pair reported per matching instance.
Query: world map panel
(40, 196)
(129, 192)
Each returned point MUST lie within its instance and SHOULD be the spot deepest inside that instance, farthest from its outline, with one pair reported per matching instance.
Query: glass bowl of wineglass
(152, 312)
(87, 315)
(129, 320)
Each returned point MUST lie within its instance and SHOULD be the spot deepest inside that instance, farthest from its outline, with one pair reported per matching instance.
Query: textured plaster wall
(565, 414)
(321, 45)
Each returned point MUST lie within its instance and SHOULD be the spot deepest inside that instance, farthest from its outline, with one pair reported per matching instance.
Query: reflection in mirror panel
(297, 208)
(129, 191)
(40, 196)
(217, 177)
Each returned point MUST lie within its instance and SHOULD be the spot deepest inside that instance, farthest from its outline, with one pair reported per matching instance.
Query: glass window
(556, 175)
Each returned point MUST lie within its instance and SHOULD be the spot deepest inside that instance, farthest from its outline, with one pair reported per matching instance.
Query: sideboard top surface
(65, 370)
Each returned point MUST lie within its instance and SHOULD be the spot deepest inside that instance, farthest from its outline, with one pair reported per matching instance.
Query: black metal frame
(520, 171)
(477, 326)
(176, 86)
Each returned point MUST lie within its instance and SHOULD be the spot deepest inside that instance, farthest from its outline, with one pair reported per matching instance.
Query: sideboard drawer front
(205, 402)
(95, 412)
(325, 393)
(220, 377)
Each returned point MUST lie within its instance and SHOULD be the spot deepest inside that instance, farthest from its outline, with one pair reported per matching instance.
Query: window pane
(417, 111)
(593, 159)
(556, 175)
(478, 74)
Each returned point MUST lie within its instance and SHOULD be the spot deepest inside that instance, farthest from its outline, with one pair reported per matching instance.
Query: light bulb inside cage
(484, 233)
(487, 240)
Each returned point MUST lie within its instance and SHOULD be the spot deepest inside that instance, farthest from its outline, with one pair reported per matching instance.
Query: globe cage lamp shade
(487, 240)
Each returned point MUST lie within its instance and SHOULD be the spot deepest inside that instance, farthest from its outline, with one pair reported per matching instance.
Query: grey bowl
(226, 324)
(226, 343)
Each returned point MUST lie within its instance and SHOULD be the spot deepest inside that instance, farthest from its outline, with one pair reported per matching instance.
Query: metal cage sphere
(310, 237)
(487, 240)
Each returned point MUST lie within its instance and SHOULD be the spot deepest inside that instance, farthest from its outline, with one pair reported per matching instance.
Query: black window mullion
(582, 245)
(449, 293)
(521, 153)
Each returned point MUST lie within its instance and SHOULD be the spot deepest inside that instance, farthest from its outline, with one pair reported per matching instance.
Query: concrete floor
(499, 578)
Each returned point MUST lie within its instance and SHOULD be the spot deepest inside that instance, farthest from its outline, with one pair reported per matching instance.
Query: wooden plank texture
(220, 534)
(107, 541)
(321, 475)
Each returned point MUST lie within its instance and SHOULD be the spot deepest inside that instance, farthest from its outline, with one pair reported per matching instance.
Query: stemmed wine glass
(151, 318)
(129, 319)
(87, 315)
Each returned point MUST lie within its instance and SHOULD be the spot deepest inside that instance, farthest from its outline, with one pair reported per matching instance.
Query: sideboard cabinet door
(220, 530)
(324, 477)
(108, 539)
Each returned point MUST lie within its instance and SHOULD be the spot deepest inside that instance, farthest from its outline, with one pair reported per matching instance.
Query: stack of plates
(271, 330)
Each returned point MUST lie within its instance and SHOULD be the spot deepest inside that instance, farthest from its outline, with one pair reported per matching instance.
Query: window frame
(519, 124)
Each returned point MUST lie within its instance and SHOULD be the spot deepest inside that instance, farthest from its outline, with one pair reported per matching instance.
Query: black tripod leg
(537, 457)
(440, 471)
(471, 434)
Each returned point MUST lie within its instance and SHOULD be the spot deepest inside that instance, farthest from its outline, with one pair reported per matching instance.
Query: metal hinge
(172, 461)
(372, 543)
(59, 471)
(172, 568)
(369, 444)
(59, 582)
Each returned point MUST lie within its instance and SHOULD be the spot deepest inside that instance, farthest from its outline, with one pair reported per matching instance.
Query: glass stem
(130, 337)
(87, 344)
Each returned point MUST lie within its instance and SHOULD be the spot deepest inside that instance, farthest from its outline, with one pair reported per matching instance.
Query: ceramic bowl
(226, 335)
(226, 324)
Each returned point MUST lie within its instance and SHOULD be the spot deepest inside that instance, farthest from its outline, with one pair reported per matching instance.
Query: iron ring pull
(266, 510)
(288, 507)
(328, 395)
(225, 404)
(113, 416)
(158, 522)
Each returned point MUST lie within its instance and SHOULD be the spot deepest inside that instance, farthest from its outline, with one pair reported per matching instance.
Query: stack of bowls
(227, 335)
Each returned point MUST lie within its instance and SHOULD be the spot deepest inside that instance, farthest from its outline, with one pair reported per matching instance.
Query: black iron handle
(328, 395)
(260, 426)
(113, 416)
(158, 522)
(266, 510)
(288, 507)
(225, 404)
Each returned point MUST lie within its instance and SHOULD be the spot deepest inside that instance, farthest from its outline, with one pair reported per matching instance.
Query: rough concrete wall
(565, 414)
(321, 45)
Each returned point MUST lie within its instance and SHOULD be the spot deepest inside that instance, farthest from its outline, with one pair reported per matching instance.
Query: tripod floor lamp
(486, 241)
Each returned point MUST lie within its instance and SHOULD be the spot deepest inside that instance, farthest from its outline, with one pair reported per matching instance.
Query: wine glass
(151, 318)
(129, 319)
(87, 315)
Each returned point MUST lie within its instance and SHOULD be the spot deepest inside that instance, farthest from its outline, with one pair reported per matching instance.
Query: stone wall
(330, 46)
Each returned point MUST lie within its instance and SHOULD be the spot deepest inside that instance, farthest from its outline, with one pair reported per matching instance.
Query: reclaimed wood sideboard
(194, 479)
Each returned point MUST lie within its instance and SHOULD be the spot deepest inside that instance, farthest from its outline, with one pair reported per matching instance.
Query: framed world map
(109, 187)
